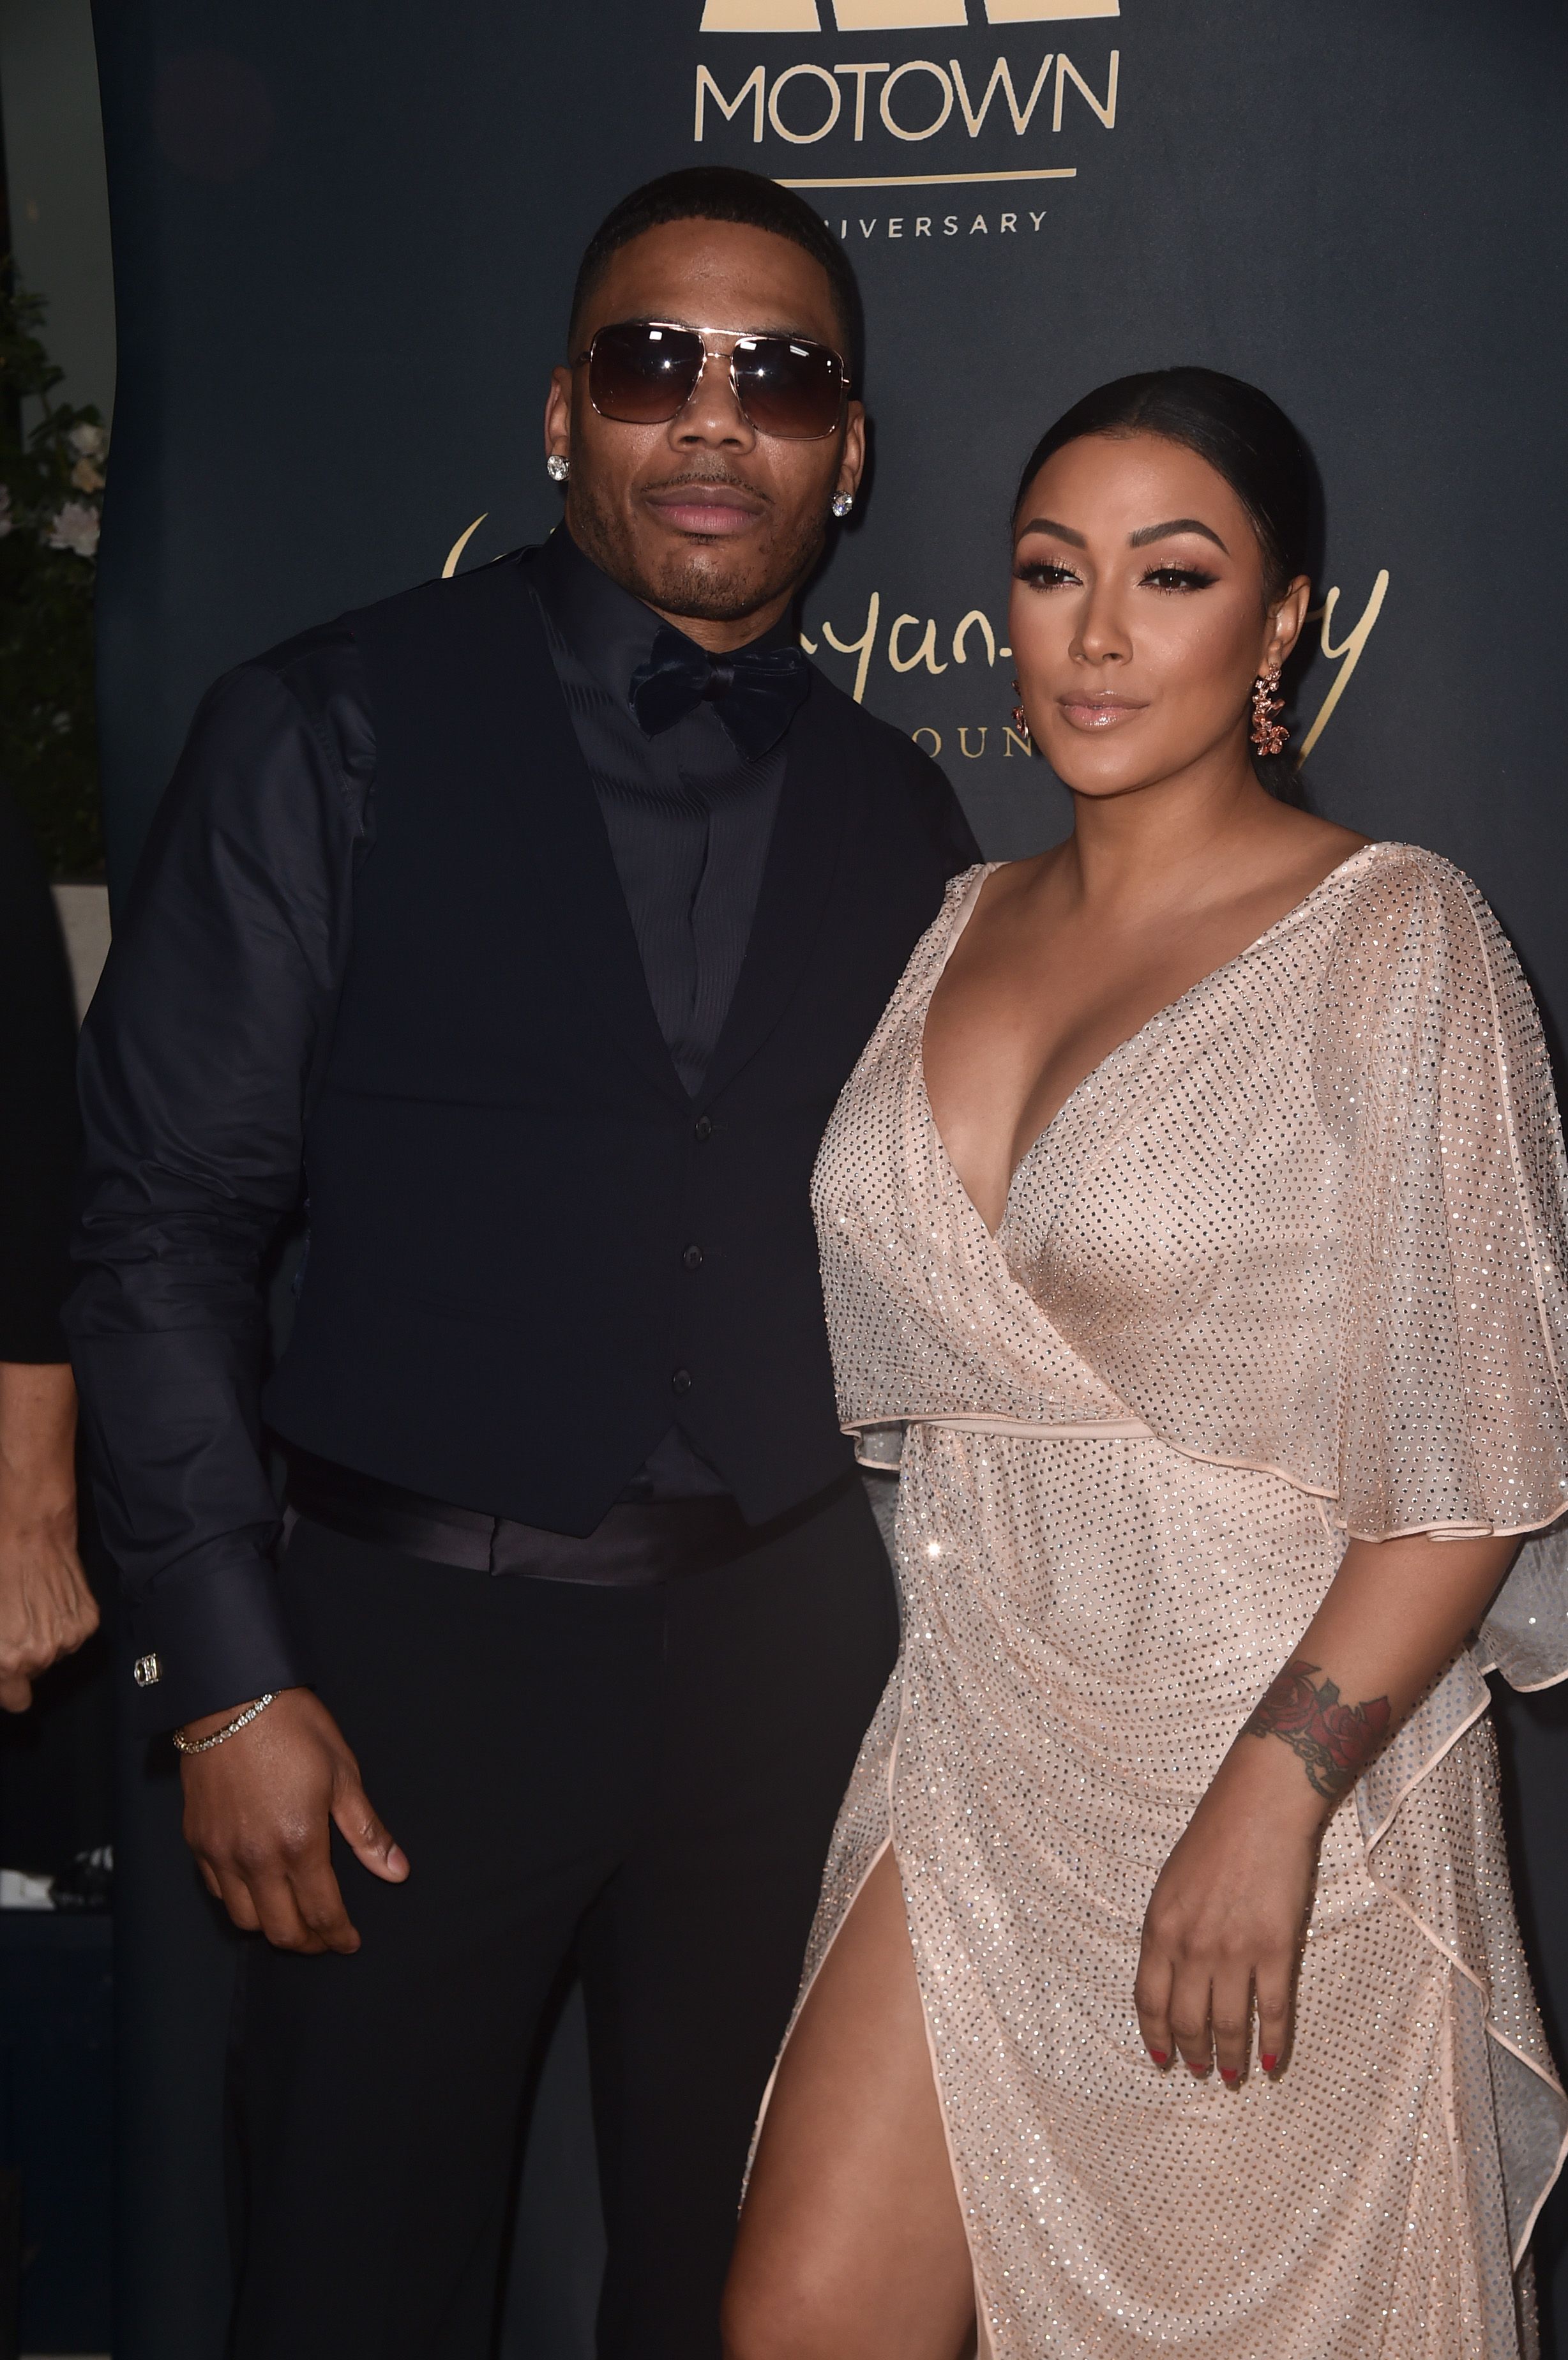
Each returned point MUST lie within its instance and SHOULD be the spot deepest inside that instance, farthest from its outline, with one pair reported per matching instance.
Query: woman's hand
(1224, 1926)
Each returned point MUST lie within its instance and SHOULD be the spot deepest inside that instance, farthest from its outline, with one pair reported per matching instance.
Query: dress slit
(982, 2322)
(985, 2349)
(807, 1988)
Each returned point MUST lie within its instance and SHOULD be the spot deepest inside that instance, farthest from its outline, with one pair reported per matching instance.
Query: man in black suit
(528, 925)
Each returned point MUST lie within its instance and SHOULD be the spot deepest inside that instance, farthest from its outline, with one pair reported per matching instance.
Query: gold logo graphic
(909, 101)
(891, 16)
(903, 655)
(950, 87)
(923, 656)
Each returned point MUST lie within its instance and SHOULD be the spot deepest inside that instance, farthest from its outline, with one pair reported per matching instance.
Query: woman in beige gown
(1195, 1221)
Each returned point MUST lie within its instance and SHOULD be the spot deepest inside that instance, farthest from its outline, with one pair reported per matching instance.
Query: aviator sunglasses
(644, 372)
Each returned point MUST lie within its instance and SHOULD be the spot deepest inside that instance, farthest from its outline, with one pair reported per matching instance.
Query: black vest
(531, 1251)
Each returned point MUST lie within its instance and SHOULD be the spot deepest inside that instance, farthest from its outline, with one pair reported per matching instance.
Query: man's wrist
(207, 1724)
(208, 1638)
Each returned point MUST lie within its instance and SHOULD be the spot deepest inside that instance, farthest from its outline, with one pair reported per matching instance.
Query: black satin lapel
(797, 883)
(611, 968)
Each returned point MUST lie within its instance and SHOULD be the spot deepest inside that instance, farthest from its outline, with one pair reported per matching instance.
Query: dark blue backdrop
(344, 243)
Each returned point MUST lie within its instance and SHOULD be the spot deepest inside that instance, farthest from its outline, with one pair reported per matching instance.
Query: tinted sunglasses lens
(789, 387)
(641, 374)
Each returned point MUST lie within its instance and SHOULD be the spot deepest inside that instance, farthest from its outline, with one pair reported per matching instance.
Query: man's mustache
(709, 476)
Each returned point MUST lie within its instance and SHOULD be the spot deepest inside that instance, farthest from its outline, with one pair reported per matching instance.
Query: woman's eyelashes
(1044, 573)
(1050, 574)
(1178, 577)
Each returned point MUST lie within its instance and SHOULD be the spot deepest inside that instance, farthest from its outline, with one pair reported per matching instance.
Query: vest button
(692, 1257)
(681, 1383)
(704, 1126)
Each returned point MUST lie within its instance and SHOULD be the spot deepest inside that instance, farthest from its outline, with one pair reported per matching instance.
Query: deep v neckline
(1160, 1016)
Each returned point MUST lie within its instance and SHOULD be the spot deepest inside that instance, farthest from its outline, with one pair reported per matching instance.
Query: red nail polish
(1160, 2055)
(1268, 2063)
(1199, 2069)
(1229, 2073)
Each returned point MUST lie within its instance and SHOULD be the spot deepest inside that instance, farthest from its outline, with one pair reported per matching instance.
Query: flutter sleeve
(1433, 1075)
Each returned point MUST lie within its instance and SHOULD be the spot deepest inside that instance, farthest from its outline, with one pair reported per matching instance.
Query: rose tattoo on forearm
(1334, 1740)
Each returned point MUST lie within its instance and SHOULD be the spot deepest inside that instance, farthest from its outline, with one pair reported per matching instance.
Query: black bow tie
(754, 691)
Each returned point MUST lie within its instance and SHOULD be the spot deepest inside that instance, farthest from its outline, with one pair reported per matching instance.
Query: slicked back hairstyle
(722, 193)
(1244, 436)
(1247, 439)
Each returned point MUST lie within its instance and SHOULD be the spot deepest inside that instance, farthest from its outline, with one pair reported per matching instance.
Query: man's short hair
(722, 193)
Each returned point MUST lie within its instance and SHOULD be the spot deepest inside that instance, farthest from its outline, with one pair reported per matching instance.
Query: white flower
(88, 440)
(86, 477)
(75, 527)
(7, 519)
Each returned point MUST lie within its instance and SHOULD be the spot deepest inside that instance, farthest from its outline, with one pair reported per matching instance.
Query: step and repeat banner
(344, 241)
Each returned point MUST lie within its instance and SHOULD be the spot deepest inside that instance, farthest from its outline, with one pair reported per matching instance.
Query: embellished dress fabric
(1288, 1265)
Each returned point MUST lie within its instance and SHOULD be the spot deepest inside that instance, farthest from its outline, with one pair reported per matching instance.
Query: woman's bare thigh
(851, 2244)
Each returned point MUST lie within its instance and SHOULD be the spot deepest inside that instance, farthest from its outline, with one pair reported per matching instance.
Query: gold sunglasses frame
(738, 337)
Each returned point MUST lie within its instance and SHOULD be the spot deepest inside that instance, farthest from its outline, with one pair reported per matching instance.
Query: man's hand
(46, 1607)
(258, 1813)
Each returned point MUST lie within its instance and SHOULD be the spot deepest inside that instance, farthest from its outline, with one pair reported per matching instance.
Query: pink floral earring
(1269, 734)
(1021, 718)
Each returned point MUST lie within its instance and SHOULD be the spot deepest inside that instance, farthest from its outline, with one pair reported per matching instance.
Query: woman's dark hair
(723, 193)
(1245, 437)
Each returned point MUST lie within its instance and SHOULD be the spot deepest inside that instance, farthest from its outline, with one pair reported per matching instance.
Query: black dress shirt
(690, 818)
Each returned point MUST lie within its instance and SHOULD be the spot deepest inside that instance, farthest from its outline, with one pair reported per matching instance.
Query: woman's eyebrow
(1177, 524)
(1061, 531)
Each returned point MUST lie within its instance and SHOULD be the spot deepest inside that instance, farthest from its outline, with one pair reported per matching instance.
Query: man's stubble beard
(683, 585)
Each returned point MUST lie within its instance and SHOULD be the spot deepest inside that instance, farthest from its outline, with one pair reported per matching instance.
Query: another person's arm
(45, 1607)
(198, 1059)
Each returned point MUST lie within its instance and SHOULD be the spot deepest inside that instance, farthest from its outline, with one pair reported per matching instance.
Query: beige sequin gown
(1288, 1265)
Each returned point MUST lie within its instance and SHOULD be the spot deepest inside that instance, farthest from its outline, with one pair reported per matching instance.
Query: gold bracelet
(184, 1744)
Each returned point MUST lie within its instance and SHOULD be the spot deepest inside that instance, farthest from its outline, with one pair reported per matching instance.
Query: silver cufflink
(148, 1672)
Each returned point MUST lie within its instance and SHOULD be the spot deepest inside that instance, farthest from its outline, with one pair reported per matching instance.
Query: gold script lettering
(459, 545)
(925, 654)
(1348, 655)
(861, 647)
(962, 633)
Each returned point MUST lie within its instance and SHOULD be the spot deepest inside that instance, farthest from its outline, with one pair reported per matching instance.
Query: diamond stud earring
(841, 503)
(557, 468)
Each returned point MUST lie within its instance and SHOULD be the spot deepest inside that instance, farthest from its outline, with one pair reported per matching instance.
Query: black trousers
(644, 1780)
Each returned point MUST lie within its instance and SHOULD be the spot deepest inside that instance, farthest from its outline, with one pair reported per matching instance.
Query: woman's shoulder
(952, 914)
(1390, 884)
(1412, 928)
(962, 889)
